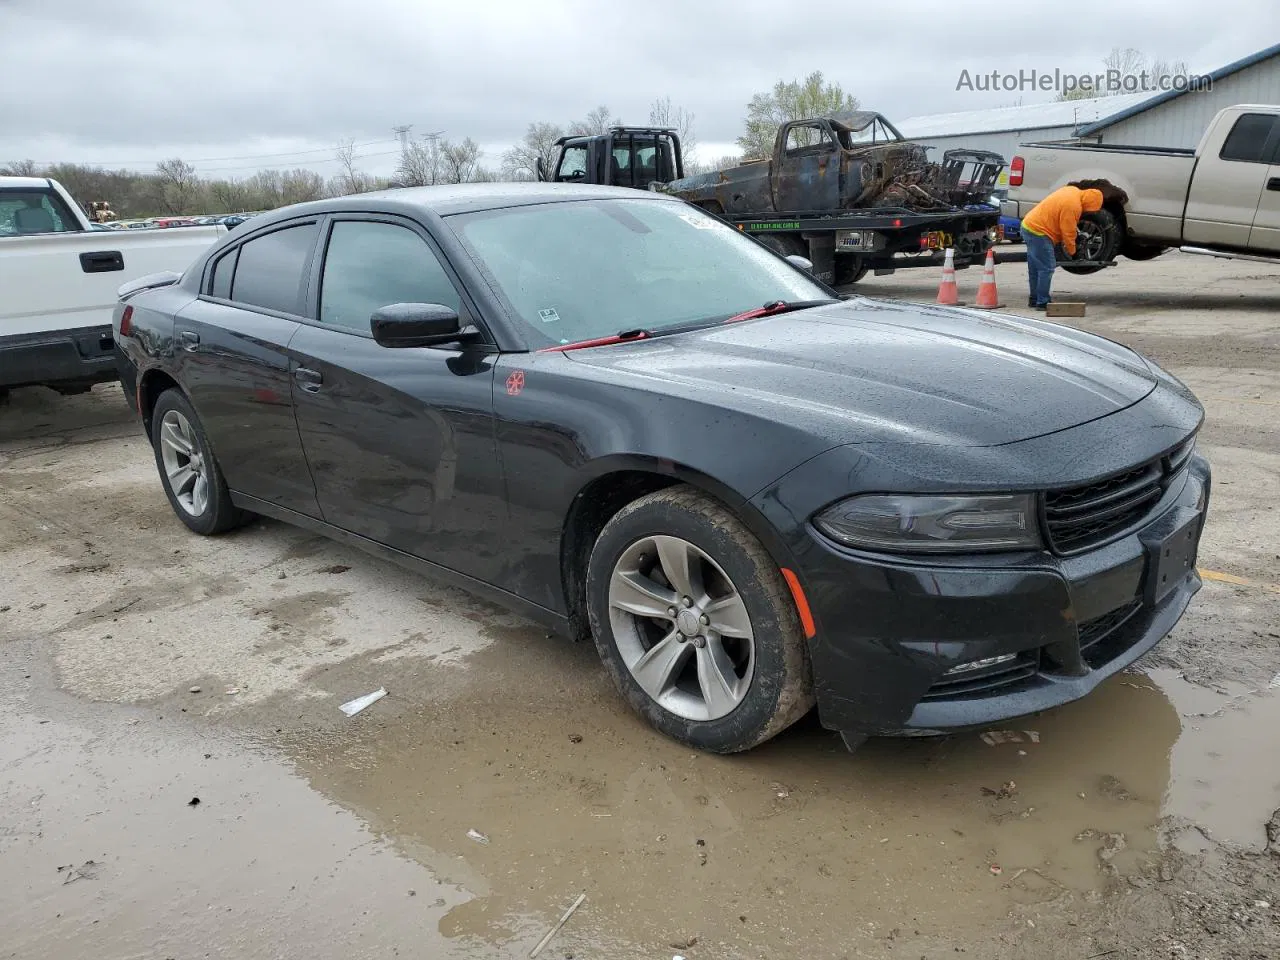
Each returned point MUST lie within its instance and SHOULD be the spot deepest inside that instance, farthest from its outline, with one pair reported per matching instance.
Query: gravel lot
(142, 667)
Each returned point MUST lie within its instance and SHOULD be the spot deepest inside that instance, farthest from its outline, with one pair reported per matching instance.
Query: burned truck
(850, 193)
(846, 192)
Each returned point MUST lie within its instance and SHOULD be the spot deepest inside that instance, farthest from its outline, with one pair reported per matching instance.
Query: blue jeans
(1041, 260)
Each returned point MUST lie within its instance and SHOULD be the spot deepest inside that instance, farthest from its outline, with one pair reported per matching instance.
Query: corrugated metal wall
(1181, 122)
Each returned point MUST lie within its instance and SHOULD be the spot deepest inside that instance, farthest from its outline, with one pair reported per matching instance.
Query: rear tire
(730, 667)
(850, 269)
(1101, 241)
(189, 471)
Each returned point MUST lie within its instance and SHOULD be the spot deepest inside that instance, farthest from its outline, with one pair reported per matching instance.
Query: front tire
(695, 624)
(190, 473)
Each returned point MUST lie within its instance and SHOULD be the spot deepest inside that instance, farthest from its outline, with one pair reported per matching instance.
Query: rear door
(1265, 235)
(1226, 188)
(230, 346)
(400, 440)
(806, 178)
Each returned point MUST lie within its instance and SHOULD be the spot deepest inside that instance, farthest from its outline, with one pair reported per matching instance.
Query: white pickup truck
(1221, 199)
(58, 280)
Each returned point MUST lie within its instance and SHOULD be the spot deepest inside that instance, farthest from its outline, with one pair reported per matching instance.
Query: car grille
(1080, 517)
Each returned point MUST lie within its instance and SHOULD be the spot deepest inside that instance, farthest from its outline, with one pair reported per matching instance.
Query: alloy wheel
(184, 465)
(681, 627)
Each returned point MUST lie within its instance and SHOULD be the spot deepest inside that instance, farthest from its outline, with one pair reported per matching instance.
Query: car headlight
(933, 524)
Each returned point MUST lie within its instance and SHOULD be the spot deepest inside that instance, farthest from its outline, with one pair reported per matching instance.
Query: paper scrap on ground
(352, 707)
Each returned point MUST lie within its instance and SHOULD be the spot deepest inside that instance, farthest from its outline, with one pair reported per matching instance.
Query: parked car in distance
(618, 415)
(1221, 199)
(59, 274)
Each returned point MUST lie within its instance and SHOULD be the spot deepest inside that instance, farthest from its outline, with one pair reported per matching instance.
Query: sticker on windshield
(699, 221)
(548, 315)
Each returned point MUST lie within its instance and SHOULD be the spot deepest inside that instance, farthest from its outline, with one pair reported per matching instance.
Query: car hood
(873, 370)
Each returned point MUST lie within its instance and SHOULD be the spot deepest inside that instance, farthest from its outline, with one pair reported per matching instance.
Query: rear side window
(270, 269)
(1248, 138)
(371, 265)
(220, 283)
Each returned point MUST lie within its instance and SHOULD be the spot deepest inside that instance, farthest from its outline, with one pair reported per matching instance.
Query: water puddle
(939, 836)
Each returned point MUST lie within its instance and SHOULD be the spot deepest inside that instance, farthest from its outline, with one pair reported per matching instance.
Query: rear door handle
(308, 380)
(1273, 183)
(102, 261)
(189, 339)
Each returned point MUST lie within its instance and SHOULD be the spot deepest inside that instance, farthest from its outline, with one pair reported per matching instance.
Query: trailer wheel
(1099, 241)
(850, 269)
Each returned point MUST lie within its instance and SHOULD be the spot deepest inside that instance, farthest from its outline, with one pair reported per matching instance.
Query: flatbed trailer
(843, 247)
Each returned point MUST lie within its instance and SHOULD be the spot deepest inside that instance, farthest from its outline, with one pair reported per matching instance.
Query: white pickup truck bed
(58, 289)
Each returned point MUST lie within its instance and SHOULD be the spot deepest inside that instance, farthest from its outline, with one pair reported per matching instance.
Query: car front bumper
(890, 630)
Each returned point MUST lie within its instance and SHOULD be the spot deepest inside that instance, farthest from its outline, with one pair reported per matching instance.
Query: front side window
(270, 269)
(806, 135)
(594, 268)
(371, 265)
(573, 165)
(29, 212)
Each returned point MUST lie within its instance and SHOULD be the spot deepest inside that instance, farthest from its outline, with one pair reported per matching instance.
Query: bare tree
(538, 143)
(663, 113)
(177, 185)
(794, 100)
(351, 179)
(20, 168)
(596, 122)
(229, 196)
(299, 186)
(1147, 76)
(459, 161)
(420, 163)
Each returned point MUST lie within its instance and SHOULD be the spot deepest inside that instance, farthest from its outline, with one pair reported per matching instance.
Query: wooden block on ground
(1061, 308)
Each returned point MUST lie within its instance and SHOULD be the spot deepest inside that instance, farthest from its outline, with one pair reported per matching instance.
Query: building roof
(1030, 116)
(1220, 74)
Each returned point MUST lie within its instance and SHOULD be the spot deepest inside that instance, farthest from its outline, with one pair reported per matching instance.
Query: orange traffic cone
(988, 299)
(948, 295)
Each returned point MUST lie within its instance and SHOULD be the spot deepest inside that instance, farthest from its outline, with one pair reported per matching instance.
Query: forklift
(622, 157)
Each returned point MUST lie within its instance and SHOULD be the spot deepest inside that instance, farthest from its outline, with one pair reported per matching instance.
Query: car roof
(446, 200)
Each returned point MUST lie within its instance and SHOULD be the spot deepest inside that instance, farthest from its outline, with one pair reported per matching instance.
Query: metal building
(1001, 129)
(1172, 119)
(1178, 119)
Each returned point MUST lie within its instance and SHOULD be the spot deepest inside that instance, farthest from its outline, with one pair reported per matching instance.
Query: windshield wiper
(778, 306)
(622, 336)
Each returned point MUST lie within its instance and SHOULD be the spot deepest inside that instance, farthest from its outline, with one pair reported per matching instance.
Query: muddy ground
(143, 669)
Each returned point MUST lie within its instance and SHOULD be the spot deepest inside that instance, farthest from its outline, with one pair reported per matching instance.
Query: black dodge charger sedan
(621, 417)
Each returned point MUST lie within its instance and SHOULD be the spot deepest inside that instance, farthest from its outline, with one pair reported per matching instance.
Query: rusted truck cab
(845, 162)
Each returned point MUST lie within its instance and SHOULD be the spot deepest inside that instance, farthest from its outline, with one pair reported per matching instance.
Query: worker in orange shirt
(1052, 223)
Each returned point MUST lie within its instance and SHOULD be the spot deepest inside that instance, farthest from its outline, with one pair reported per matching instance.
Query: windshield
(593, 268)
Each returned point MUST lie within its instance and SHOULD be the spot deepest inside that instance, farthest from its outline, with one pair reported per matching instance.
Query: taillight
(126, 322)
(1015, 171)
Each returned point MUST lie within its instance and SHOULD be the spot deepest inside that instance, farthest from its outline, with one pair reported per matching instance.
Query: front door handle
(189, 339)
(308, 380)
(1273, 183)
(102, 261)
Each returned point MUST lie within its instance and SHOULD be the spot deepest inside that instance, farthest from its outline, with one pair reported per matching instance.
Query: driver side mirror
(800, 263)
(541, 166)
(417, 325)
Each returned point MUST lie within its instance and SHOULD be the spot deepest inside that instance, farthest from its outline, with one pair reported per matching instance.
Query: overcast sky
(223, 82)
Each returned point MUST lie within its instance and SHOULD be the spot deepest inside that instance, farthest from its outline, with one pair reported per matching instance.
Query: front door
(230, 344)
(1226, 190)
(806, 177)
(400, 440)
